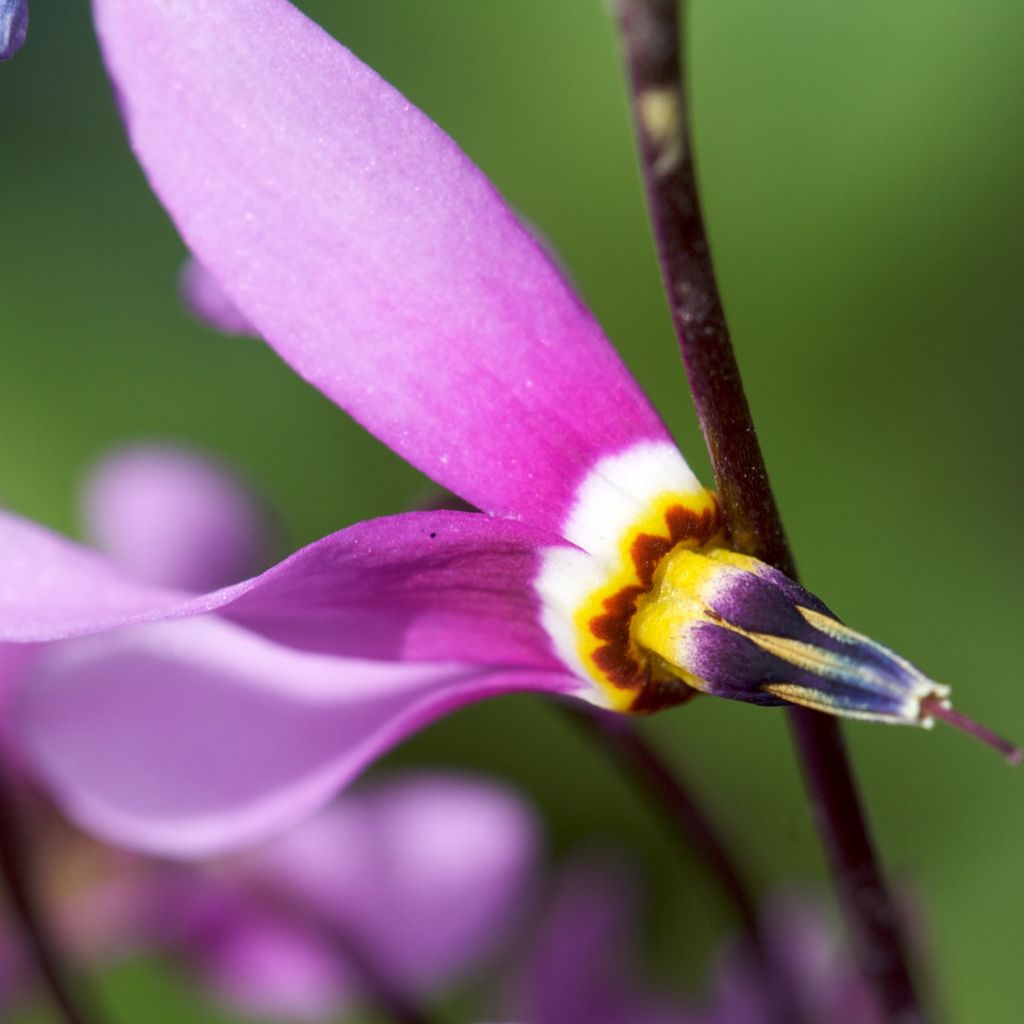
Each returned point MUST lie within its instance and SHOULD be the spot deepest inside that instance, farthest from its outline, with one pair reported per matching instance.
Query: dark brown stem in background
(689, 821)
(651, 33)
(698, 834)
(40, 946)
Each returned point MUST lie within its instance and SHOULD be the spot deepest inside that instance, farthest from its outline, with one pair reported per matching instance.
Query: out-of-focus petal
(422, 874)
(254, 960)
(14, 971)
(174, 518)
(370, 252)
(807, 955)
(580, 969)
(13, 27)
(15, 660)
(424, 586)
(425, 872)
(51, 588)
(191, 737)
(207, 302)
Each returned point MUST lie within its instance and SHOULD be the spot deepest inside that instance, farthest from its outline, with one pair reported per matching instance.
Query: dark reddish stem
(651, 33)
(688, 820)
(698, 834)
(42, 949)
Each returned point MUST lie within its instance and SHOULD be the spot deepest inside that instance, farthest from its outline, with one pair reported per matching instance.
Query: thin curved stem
(651, 33)
(688, 820)
(697, 833)
(41, 947)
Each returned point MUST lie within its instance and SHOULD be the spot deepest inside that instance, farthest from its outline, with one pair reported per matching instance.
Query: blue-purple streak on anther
(764, 631)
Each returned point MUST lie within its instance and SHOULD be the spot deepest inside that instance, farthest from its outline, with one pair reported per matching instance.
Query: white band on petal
(622, 499)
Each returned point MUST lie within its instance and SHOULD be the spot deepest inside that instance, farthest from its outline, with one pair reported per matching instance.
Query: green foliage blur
(862, 168)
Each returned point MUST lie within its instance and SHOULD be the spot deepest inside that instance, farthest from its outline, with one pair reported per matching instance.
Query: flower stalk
(688, 820)
(41, 947)
(651, 32)
(698, 833)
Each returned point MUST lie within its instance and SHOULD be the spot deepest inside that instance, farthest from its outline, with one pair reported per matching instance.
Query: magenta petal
(207, 302)
(51, 588)
(174, 518)
(370, 252)
(424, 586)
(192, 737)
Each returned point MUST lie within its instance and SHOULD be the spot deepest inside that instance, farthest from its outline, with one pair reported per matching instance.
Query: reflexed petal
(52, 588)
(365, 247)
(425, 586)
(190, 737)
(174, 518)
(207, 302)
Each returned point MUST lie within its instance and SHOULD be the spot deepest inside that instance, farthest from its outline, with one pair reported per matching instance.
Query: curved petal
(370, 252)
(192, 737)
(207, 302)
(426, 872)
(174, 517)
(51, 588)
(422, 873)
(423, 586)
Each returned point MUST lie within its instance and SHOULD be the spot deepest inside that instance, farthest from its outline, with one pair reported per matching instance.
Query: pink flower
(349, 232)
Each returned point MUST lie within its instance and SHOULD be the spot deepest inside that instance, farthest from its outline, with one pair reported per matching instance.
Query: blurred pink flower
(421, 875)
(585, 963)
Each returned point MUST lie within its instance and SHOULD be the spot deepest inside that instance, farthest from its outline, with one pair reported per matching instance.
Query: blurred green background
(862, 170)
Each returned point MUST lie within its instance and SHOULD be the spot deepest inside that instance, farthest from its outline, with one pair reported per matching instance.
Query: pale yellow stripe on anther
(817, 661)
(811, 699)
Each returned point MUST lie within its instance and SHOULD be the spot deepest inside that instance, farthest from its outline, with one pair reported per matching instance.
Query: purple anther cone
(13, 27)
(764, 632)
